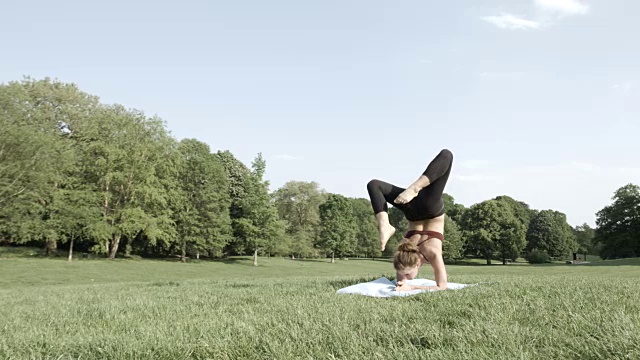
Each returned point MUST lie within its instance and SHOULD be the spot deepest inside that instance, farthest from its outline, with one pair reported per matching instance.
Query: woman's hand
(403, 286)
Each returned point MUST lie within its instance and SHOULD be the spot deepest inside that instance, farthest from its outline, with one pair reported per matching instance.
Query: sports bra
(432, 234)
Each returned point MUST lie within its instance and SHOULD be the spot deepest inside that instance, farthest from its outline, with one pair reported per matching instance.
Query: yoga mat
(384, 287)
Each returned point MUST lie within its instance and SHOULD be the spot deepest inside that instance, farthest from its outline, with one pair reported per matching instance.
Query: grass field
(285, 309)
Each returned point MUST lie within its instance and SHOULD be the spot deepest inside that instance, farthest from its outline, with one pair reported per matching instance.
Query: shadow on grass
(202, 260)
(472, 262)
(588, 263)
(239, 285)
(234, 261)
(614, 262)
(328, 260)
(165, 283)
(17, 252)
(468, 263)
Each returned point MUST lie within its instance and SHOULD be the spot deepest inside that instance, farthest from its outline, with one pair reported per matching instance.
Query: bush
(537, 257)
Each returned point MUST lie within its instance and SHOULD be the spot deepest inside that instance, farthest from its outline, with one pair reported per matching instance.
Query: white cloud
(565, 7)
(509, 21)
(287, 157)
(623, 86)
(548, 11)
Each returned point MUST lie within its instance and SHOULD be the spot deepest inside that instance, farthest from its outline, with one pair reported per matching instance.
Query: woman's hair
(407, 256)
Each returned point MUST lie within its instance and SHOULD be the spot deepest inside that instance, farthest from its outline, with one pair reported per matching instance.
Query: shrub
(537, 257)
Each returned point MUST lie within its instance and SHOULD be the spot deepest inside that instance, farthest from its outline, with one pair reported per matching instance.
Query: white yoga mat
(384, 287)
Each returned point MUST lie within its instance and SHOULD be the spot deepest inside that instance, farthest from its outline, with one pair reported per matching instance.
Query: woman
(423, 207)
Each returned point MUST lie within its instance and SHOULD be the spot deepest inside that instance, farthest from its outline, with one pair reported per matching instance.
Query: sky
(537, 99)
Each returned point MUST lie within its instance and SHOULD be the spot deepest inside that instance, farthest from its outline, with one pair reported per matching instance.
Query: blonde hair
(407, 256)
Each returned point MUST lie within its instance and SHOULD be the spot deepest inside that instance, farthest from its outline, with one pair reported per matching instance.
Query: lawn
(283, 309)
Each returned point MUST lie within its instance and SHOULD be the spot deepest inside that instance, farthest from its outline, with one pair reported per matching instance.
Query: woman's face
(409, 273)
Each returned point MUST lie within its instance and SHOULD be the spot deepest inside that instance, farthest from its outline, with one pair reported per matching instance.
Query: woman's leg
(436, 174)
(381, 193)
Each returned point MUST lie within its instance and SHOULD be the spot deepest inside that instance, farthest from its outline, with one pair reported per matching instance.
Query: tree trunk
(127, 249)
(183, 258)
(504, 259)
(255, 257)
(70, 249)
(333, 257)
(51, 247)
(105, 210)
(114, 246)
(488, 259)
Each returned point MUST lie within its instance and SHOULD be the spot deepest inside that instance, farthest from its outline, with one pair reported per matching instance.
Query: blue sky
(537, 99)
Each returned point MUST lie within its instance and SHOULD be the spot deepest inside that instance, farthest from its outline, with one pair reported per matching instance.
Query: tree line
(112, 181)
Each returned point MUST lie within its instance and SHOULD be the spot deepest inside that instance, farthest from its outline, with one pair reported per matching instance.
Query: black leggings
(428, 203)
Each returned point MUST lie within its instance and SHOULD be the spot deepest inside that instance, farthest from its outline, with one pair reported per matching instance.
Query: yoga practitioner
(423, 207)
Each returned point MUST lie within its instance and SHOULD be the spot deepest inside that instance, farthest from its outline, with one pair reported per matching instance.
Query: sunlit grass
(287, 309)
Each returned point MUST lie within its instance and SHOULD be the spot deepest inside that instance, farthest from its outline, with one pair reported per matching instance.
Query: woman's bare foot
(386, 232)
(406, 195)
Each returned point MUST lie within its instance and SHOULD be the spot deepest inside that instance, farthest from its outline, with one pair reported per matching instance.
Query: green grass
(7, 252)
(284, 309)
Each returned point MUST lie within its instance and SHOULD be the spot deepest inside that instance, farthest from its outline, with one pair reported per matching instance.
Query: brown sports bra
(432, 234)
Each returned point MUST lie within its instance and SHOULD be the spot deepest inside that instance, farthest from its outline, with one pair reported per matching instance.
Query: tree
(125, 154)
(550, 233)
(452, 248)
(299, 245)
(584, 237)
(22, 153)
(202, 212)
(36, 153)
(258, 224)
(618, 225)
(298, 204)
(521, 210)
(237, 179)
(337, 233)
(367, 239)
(493, 231)
(76, 215)
(237, 173)
(453, 210)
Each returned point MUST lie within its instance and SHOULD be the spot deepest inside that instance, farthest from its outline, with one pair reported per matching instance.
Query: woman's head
(407, 260)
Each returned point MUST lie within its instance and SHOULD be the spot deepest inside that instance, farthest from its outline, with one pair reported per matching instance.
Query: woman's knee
(446, 153)
(374, 184)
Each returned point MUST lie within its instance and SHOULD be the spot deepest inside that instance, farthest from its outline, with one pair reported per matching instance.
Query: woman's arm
(439, 270)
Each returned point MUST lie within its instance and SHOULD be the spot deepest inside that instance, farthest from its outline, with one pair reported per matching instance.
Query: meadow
(289, 309)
